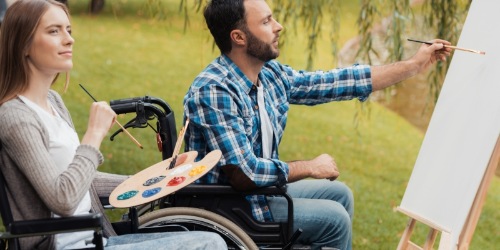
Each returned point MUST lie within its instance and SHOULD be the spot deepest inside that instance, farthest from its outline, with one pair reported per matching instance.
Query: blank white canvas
(463, 129)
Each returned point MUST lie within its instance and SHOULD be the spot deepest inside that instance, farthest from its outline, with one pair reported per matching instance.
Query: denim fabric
(171, 241)
(323, 209)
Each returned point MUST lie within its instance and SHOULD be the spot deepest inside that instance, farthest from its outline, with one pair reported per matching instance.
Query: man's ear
(238, 37)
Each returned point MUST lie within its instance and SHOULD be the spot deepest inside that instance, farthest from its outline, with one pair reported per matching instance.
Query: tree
(442, 18)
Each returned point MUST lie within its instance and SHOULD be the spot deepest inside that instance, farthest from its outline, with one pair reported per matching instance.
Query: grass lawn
(134, 49)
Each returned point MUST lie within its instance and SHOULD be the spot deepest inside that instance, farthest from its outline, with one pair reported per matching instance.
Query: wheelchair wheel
(194, 219)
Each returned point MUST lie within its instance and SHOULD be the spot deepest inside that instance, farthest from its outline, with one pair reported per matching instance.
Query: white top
(265, 124)
(63, 142)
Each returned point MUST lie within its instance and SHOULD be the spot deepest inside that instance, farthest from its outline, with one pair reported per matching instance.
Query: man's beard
(259, 49)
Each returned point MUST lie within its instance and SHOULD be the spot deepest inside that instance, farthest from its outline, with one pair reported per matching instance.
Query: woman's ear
(238, 37)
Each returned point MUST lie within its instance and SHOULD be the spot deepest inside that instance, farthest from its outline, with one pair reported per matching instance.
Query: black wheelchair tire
(203, 220)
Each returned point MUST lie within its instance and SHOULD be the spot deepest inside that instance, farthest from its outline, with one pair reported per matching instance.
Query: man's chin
(274, 56)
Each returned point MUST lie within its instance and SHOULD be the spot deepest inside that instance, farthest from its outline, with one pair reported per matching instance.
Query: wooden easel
(470, 225)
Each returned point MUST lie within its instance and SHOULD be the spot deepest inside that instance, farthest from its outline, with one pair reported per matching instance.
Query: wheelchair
(215, 200)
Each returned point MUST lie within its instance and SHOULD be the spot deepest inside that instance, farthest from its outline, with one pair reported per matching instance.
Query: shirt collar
(236, 72)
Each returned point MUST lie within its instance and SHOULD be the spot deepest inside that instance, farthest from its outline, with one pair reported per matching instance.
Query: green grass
(132, 49)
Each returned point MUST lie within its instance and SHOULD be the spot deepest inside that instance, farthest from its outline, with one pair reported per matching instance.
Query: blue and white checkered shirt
(222, 107)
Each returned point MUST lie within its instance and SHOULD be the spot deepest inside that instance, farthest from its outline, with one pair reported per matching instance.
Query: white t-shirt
(265, 125)
(63, 142)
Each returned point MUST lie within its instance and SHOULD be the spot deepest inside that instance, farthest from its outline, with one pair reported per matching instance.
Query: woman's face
(51, 49)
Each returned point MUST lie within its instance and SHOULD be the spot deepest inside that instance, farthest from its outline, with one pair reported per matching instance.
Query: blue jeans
(169, 240)
(323, 209)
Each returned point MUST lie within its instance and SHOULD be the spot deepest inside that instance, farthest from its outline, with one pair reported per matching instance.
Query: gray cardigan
(36, 187)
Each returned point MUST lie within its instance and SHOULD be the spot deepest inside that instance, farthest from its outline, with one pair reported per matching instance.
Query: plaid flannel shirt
(222, 107)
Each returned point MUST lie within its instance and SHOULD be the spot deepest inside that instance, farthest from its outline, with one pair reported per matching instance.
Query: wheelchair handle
(123, 108)
(125, 101)
(147, 108)
(146, 99)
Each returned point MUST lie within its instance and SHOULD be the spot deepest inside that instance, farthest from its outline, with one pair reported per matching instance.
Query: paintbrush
(178, 144)
(117, 122)
(451, 47)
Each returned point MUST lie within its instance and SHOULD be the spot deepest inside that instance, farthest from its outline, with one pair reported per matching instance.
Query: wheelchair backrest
(4, 200)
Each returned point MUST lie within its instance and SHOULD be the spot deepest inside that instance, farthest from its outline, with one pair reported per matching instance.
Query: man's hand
(387, 75)
(324, 167)
(321, 167)
(430, 54)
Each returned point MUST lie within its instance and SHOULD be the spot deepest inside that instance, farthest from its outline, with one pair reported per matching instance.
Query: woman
(48, 170)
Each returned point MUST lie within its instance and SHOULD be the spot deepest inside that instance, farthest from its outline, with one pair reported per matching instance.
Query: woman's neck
(38, 91)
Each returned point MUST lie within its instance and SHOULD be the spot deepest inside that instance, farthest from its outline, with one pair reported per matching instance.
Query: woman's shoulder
(14, 105)
(15, 112)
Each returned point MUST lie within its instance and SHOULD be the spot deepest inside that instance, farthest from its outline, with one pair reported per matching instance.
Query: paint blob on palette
(150, 192)
(153, 180)
(127, 195)
(197, 170)
(181, 169)
(176, 181)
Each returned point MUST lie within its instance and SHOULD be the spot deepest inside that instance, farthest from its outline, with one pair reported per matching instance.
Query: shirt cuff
(91, 153)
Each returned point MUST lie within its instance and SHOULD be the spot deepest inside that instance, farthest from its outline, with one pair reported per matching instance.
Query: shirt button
(266, 208)
(256, 107)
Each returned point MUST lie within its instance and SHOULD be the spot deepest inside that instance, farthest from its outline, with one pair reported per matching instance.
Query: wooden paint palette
(156, 181)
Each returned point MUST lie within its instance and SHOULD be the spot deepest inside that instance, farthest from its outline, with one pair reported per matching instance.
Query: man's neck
(250, 66)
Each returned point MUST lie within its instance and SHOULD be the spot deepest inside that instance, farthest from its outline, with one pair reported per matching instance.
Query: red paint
(176, 181)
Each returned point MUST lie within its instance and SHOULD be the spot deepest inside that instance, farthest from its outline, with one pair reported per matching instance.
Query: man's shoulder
(275, 68)
(216, 73)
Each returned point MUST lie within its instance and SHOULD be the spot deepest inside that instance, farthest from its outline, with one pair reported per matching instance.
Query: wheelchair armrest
(56, 225)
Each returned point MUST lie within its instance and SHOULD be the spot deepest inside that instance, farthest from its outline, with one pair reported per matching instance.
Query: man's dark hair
(222, 17)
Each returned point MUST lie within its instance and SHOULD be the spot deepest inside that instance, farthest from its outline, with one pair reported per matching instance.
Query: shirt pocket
(249, 116)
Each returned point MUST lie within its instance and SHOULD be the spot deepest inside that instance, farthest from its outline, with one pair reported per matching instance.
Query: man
(239, 105)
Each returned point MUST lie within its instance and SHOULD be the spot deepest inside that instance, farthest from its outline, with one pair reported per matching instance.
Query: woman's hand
(101, 119)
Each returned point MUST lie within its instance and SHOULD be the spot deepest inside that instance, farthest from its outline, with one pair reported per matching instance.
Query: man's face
(261, 30)
(260, 49)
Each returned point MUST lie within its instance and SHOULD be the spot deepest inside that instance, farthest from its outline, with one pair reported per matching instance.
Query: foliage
(311, 14)
(443, 18)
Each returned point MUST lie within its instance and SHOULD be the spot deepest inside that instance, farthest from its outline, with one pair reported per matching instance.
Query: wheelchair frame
(219, 199)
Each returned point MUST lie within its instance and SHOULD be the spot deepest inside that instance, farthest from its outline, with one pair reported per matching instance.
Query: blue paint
(150, 192)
